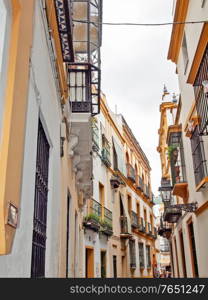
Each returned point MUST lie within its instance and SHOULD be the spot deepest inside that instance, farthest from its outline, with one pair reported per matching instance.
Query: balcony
(142, 225)
(124, 228)
(154, 233)
(93, 215)
(177, 162)
(105, 151)
(146, 191)
(106, 157)
(140, 183)
(131, 173)
(201, 94)
(134, 220)
(149, 226)
(172, 215)
(106, 223)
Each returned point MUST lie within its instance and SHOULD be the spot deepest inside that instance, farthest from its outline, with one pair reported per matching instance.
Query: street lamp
(165, 191)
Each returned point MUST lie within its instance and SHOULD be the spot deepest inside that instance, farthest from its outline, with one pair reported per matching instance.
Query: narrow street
(103, 139)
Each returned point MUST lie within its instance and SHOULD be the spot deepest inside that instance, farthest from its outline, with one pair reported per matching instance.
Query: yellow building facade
(183, 144)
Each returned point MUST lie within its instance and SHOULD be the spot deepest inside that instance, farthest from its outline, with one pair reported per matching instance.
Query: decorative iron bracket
(190, 207)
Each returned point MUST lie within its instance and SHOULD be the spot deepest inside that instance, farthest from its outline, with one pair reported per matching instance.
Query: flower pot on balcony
(92, 222)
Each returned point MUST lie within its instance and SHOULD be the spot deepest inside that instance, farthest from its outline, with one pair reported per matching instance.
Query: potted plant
(173, 152)
(92, 221)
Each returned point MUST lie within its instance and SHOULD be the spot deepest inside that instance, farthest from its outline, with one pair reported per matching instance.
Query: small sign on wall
(12, 215)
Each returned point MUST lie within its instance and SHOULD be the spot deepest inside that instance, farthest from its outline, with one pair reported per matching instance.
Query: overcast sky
(135, 67)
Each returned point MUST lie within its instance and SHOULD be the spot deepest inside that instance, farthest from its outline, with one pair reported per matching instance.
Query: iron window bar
(198, 155)
(201, 96)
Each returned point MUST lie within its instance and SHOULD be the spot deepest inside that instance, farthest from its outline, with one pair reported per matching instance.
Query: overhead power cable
(140, 24)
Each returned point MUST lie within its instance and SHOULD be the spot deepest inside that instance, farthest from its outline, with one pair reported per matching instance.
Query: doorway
(103, 263)
(89, 268)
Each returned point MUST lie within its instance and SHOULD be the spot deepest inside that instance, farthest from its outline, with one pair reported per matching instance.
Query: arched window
(4, 46)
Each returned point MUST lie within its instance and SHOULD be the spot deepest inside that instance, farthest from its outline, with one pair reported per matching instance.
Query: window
(132, 254)
(183, 254)
(148, 256)
(40, 205)
(141, 255)
(176, 256)
(114, 266)
(185, 53)
(193, 249)
(198, 156)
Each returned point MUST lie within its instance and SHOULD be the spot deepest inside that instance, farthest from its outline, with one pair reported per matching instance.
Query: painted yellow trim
(12, 147)
(204, 181)
(202, 209)
(50, 8)
(203, 41)
(177, 30)
(191, 115)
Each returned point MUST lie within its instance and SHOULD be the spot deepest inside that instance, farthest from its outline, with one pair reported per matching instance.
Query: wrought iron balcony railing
(147, 191)
(131, 173)
(172, 214)
(93, 215)
(124, 225)
(142, 225)
(155, 233)
(198, 156)
(106, 222)
(140, 183)
(106, 157)
(93, 207)
(149, 228)
(108, 218)
(134, 220)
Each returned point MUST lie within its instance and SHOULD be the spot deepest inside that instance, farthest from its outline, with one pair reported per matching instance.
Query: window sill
(202, 184)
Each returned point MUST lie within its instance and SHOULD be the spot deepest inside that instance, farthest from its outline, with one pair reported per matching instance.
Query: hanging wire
(140, 24)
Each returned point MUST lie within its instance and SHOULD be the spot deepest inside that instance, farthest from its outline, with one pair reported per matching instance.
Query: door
(89, 273)
(114, 266)
(40, 205)
(103, 264)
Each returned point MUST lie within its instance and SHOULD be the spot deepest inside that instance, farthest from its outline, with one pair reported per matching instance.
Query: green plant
(105, 223)
(170, 150)
(92, 216)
